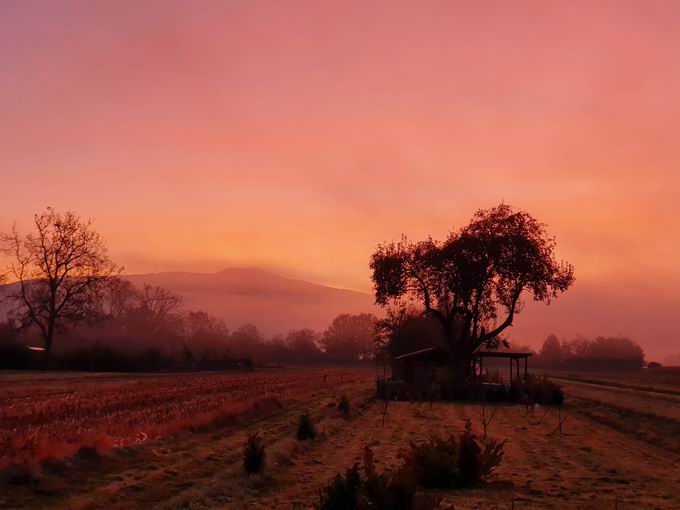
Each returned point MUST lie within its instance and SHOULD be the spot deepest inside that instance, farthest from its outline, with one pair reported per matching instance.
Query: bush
(390, 490)
(557, 396)
(254, 456)
(476, 464)
(342, 493)
(343, 404)
(394, 490)
(435, 462)
(532, 389)
(305, 428)
(456, 461)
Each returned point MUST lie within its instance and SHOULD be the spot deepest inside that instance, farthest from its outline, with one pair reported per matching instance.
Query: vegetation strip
(658, 431)
(600, 382)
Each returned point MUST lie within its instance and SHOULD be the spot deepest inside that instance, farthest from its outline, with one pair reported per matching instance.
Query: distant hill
(273, 303)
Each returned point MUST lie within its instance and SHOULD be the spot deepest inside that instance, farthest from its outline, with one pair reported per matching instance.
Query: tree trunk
(460, 362)
(462, 366)
(49, 337)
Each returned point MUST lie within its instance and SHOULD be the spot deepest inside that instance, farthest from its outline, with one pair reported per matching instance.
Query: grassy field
(617, 450)
(659, 380)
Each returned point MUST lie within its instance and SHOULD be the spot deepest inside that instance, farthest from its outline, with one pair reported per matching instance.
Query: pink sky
(295, 136)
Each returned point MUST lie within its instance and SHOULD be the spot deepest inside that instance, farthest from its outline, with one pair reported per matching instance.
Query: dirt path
(658, 404)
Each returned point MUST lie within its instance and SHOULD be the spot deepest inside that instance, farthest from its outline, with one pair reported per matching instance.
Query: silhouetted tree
(62, 268)
(202, 327)
(405, 330)
(119, 297)
(304, 345)
(159, 304)
(601, 353)
(551, 351)
(248, 341)
(472, 282)
(351, 337)
(8, 331)
(206, 333)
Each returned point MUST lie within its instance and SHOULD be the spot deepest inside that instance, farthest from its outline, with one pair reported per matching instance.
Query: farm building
(422, 372)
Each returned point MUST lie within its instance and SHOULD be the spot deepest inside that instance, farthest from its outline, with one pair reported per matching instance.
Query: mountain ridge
(274, 303)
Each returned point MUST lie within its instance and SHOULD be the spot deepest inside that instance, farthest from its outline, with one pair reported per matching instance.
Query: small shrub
(17, 474)
(534, 389)
(390, 490)
(456, 461)
(305, 428)
(52, 466)
(476, 464)
(343, 492)
(254, 455)
(86, 455)
(435, 462)
(557, 397)
(343, 404)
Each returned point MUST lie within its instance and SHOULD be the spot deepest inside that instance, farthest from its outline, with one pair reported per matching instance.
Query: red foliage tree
(472, 283)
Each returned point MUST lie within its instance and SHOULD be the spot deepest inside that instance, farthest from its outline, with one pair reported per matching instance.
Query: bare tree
(485, 418)
(62, 267)
(119, 297)
(160, 304)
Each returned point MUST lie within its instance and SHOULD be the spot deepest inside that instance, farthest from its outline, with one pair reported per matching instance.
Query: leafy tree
(276, 350)
(205, 335)
(203, 329)
(248, 341)
(62, 268)
(551, 351)
(350, 337)
(304, 345)
(472, 283)
(406, 330)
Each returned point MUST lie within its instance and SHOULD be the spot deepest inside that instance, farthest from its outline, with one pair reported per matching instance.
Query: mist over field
(276, 305)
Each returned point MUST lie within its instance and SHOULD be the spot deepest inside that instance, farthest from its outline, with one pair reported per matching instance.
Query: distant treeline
(413, 331)
(605, 354)
(147, 330)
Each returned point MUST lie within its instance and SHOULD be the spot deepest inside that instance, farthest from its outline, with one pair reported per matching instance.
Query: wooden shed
(418, 370)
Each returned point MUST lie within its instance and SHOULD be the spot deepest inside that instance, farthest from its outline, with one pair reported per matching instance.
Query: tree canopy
(473, 281)
(350, 336)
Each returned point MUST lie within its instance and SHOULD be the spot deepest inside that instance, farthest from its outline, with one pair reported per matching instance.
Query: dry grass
(54, 416)
(607, 456)
(660, 380)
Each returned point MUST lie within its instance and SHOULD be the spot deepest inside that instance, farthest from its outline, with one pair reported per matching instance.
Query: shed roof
(502, 354)
(421, 352)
